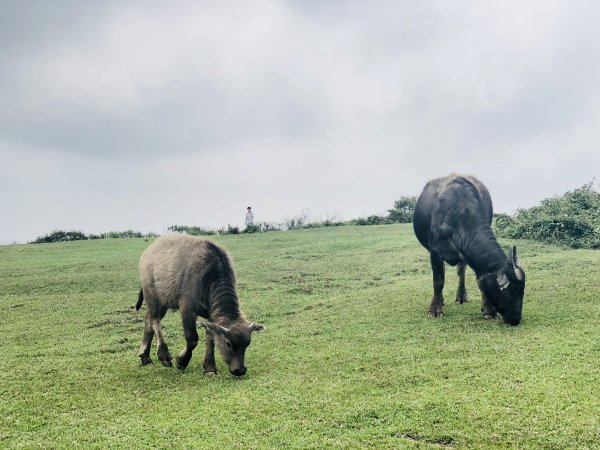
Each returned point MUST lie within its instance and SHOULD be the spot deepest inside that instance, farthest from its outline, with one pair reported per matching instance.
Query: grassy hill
(349, 358)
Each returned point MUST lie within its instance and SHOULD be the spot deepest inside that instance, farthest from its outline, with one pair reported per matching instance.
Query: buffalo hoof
(462, 299)
(489, 317)
(210, 370)
(435, 314)
(210, 374)
(146, 360)
(181, 363)
(164, 356)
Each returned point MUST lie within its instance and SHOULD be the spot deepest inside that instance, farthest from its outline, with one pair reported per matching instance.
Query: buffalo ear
(502, 280)
(256, 327)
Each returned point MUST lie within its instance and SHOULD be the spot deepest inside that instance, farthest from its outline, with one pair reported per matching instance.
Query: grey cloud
(327, 106)
(189, 111)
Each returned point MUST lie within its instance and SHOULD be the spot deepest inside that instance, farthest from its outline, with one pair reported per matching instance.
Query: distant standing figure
(249, 217)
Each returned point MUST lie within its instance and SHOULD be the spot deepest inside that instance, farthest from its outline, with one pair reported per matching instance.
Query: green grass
(349, 358)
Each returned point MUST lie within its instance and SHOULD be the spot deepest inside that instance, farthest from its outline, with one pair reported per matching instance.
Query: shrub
(572, 219)
(269, 226)
(262, 227)
(193, 230)
(60, 236)
(403, 210)
(324, 224)
(371, 220)
(297, 222)
(229, 230)
(252, 229)
(127, 234)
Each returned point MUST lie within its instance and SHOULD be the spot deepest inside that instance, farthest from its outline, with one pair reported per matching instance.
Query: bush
(229, 230)
(127, 234)
(262, 227)
(192, 230)
(324, 224)
(371, 220)
(297, 222)
(60, 236)
(252, 229)
(403, 210)
(572, 220)
(269, 226)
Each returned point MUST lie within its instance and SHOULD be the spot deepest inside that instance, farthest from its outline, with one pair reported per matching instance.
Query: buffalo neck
(482, 251)
(224, 305)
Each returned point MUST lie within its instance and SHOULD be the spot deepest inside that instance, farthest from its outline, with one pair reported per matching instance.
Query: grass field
(349, 358)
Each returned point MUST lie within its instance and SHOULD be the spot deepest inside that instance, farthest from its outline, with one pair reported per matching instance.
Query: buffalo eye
(228, 344)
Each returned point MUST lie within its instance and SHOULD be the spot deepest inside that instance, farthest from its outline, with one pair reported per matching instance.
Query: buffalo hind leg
(161, 346)
(461, 292)
(437, 266)
(144, 352)
(188, 318)
(210, 366)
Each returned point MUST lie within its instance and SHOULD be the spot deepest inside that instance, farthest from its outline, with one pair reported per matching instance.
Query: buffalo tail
(140, 300)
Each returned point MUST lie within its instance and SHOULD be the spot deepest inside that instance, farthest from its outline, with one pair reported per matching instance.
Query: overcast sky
(139, 115)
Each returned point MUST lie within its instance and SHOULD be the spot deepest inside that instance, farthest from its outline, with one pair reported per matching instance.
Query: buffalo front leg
(144, 352)
(437, 266)
(488, 310)
(188, 318)
(210, 366)
(461, 292)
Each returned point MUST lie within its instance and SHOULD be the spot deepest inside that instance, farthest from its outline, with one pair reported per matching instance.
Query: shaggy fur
(195, 276)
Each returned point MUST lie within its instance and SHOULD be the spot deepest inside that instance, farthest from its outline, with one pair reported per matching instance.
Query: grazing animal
(452, 220)
(196, 277)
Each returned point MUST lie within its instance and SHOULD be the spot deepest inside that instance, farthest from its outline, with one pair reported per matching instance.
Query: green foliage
(63, 236)
(262, 227)
(192, 230)
(251, 229)
(229, 230)
(60, 236)
(127, 234)
(403, 210)
(297, 222)
(572, 219)
(303, 221)
(324, 224)
(349, 358)
(371, 220)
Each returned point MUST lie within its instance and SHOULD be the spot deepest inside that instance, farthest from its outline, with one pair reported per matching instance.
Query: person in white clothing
(249, 217)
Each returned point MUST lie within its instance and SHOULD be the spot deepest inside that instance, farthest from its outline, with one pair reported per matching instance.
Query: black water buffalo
(452, 220)
(196, 277)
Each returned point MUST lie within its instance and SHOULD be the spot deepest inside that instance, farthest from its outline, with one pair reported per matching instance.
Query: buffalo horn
(514, 270)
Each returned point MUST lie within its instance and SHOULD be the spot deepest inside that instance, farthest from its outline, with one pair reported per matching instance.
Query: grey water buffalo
(195, 276)
(452, 220)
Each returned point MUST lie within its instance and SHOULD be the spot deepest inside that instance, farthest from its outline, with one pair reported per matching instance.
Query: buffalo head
(504, 289)
(232, 342)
